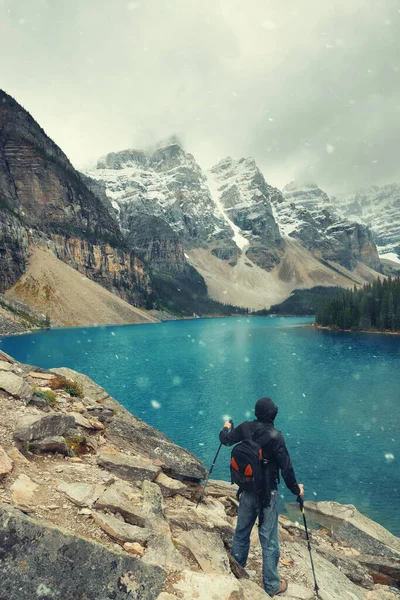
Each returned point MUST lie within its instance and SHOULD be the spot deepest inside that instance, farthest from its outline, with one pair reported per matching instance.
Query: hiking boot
(282, 588)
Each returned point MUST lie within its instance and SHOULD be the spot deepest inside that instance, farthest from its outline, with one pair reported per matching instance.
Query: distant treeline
(375, 306)
(303, 302)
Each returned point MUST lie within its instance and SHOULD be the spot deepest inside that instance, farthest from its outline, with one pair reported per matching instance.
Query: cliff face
(305, 212)
(14, 249)
(45, 202)
(166, 183)
(379, 208)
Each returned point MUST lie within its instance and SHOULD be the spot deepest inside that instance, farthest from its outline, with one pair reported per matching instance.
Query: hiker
(264, 505)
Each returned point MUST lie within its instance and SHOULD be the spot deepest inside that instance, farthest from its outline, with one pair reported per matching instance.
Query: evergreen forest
(375, 306)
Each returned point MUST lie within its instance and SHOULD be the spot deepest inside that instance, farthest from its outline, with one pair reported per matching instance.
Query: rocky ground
(95, 504)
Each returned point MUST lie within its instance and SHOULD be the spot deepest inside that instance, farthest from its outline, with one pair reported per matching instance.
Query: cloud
(310, 89)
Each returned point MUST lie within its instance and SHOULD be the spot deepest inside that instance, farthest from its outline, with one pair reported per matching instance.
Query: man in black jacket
(275, 451)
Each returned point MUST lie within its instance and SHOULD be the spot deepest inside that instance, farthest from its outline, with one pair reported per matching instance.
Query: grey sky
(310, 89)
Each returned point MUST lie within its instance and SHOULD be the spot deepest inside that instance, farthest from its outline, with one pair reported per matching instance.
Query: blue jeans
(268, 534)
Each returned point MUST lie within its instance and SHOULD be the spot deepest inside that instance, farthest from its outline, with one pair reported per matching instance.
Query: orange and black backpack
(248, 466)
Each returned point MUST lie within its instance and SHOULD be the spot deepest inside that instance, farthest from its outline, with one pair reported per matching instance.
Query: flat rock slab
(117, 499)
(333, 584)
(41, 376)
(217, 487)
(208, 549)
(119, 530)
(161, 551)
(81, 494)
(131, 468)
(43, 562)
(203, 586)
(209, 518)
(6, 464)
(38, 427)
(360, 532)
(169, 486)
(15, 385)
(82, 421)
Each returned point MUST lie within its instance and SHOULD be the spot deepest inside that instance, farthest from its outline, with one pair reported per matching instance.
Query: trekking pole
(301, 502)
(210, 471)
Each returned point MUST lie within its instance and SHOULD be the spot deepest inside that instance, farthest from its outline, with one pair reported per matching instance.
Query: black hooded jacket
(274, 450)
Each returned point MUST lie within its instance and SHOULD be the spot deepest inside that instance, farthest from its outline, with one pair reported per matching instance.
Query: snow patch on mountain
(238, 237)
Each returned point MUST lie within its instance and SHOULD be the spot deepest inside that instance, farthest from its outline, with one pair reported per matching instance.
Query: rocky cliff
(305, 212)
(95, 503)
(45, 202)
(379, 208)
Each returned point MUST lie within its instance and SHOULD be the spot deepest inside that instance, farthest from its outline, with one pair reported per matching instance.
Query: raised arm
(231, 435)
(282, 457)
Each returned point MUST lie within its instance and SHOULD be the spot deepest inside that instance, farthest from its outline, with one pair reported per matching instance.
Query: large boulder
(15, 385)
(332, 582)
(131, 468)
(350, 525)
(43, 426)
(161, 551)
(57, 443)
(44, 562)
(208, 549)
(127, 432)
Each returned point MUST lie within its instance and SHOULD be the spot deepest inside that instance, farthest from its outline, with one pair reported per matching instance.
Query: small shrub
(25, 446)
(73, 388)
(48, 395)
(76, 443)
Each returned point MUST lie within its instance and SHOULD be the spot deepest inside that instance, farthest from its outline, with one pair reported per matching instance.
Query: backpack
(248, 466)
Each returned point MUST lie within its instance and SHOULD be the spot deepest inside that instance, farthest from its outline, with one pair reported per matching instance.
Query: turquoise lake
(338, 393)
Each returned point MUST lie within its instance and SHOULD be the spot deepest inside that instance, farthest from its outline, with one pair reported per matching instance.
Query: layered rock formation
(45, 202)
(95, 503)
(246, 198)
(379, 208)
(306, 213)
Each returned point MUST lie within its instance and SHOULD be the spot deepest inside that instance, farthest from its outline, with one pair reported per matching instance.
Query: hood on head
(265, 409)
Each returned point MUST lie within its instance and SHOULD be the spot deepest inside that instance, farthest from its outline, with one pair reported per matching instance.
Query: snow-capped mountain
(305, 212)
(165, 183)
(252, 243)
(242, 194)
(379, 208)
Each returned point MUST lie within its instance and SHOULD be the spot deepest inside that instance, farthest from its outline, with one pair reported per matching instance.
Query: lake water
(338, 393)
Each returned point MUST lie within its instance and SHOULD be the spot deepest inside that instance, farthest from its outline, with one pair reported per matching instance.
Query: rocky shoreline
(95, 504)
